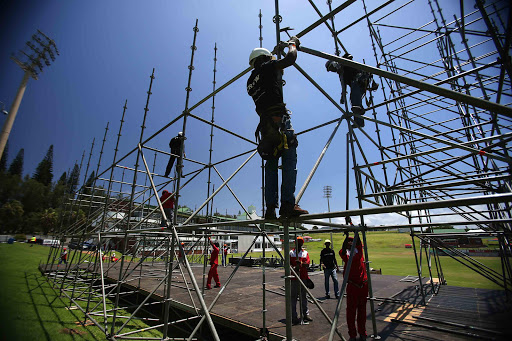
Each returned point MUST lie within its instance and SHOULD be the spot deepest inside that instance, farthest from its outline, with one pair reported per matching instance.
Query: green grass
(31, 310)
(386, 251)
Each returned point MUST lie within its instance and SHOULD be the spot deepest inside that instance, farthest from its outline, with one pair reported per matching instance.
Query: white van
(51, 242)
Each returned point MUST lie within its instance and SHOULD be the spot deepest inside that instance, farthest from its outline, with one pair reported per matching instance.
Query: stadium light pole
(42, 49)
(328, 195)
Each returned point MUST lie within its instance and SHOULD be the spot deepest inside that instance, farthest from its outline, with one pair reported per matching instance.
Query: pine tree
(16, 167)
(89, 183)
(63, 179)
(44, 171)
(3, 160)
(73, 179)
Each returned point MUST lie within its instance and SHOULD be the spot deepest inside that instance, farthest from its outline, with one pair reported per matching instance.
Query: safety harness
(270, 133)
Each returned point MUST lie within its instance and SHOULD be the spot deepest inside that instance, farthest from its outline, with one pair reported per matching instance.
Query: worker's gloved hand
(280, 47)
(342, 99)
(294, 40)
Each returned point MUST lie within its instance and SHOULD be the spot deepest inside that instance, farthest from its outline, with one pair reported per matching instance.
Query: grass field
(386, 251)
(31, 310)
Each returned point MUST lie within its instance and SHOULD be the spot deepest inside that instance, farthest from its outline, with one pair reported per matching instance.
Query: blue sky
(107, 52)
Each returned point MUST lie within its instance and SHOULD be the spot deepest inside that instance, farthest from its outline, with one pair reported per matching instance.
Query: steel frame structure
(442, 132)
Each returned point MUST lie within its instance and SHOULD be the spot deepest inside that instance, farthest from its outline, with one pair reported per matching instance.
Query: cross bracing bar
(457, 96)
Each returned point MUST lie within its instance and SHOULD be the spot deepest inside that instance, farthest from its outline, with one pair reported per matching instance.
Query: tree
(3, 160)
(73, 179)
(9, 187)
(16, 167)
(34, 196)
(48, 220)
(11, 214)
(60, 191)
(88, 184)
(44, 170)
(63, 179)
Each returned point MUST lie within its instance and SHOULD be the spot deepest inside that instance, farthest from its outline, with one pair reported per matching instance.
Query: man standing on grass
(357, 288)
(330, 266)
(63, 257)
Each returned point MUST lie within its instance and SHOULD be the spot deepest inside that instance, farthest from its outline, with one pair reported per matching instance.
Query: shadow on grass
(52, 311)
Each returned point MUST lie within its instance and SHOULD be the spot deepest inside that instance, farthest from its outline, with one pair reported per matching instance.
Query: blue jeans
(289, 175)
(331, 273)
(356, 95)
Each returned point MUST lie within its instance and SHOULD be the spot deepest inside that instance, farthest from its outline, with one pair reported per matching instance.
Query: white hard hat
(180, 133)
(259, 51)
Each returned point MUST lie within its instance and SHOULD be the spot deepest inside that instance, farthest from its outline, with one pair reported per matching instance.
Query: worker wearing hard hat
(330, 266)
(275, 132)
(357, 288)
(299, 259)
(63, 257)
(177, 148)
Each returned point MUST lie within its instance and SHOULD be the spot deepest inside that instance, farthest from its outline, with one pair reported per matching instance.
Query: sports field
(31, 310)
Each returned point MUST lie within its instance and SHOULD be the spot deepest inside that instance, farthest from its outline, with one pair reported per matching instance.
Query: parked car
(74, 245)
(89, 245)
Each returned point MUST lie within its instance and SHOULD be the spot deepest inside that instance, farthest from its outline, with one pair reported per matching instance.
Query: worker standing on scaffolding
(176, 144)
(330, 266)
(358, 81)
(167, 201)
(300, 261)
(214, 263)
(277, 135)
(357, 288)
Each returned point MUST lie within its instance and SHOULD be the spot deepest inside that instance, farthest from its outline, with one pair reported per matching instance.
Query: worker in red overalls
(357, 288)
(214, 263)
(167, 200)
(300, 261)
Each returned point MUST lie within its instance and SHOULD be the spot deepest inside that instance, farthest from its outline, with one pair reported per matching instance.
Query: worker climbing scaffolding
(277, 138)
(359, 82)
(177, 145)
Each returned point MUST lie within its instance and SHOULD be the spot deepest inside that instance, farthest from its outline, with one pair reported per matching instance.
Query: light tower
(43, 49)
(328, 195)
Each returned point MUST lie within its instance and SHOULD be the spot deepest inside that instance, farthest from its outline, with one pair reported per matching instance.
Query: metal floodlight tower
(328, 195)
(43, 49)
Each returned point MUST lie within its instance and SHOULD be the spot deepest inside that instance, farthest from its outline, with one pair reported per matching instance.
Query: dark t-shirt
(176, 145)
(349, 74)
(264, 86)
(327, 257)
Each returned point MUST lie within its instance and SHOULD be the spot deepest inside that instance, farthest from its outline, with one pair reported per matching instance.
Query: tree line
(34, 204)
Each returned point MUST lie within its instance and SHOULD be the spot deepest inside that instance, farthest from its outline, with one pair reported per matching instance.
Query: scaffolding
(440, 123)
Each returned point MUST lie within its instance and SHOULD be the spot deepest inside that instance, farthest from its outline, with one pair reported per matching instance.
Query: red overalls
(357, 291)
(214, 263)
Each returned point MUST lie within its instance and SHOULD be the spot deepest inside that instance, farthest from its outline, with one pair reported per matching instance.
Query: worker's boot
(270, 213)
(307, 318)
(358, 110)
(358, 122)
(289, 210)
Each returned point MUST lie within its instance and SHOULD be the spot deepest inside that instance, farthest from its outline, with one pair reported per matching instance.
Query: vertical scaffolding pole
(130, 207)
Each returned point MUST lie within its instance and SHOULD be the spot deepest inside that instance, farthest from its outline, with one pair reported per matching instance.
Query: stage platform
(399, 318)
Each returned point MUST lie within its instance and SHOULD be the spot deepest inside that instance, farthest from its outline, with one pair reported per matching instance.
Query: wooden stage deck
(240, 306)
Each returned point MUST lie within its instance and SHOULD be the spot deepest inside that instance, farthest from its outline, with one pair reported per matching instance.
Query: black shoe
(289, 210)
(356, 109)
(295, 321)
(270, 213)
(358, 122)
(327, 296)
(217, 286)
(307, 318)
